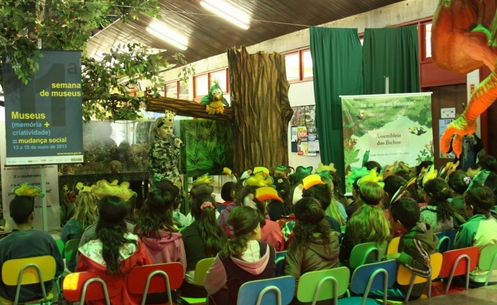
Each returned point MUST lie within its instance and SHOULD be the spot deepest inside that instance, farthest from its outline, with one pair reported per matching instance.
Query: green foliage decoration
(68, 25)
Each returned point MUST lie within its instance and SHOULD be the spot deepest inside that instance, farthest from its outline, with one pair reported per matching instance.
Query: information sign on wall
(43, 119)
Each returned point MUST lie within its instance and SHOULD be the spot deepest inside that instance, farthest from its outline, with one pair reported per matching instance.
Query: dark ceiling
(211, 35)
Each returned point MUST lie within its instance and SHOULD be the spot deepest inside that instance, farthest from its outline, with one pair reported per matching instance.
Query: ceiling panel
(211, 35)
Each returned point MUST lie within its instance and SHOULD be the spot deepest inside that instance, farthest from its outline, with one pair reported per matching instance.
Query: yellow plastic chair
(26, 271)
(320, 285)
(200, 271)
(406, 277)
(393, 246)
(488, 260)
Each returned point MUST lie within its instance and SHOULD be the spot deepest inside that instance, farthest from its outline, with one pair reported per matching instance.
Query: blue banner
(43, 119)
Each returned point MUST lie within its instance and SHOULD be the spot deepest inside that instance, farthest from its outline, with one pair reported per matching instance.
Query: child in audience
(84, 216)
(155, 225)
(458, 181)
(392, 185)
(243, 258)
(480, 230)
(438, 213)
(369, 223)
(416, 243)
(115, 251)
(227, 194)
(314, 245)
(203, 238)
(24, 242)
(258, 198)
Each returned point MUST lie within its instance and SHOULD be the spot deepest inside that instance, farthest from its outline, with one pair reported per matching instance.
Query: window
(307, 64)
(298, 65)
(172, 90)
(292, 64)
(201, 86)
(221, 77)
(427, 41)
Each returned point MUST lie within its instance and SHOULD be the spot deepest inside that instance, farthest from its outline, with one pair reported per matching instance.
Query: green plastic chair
(71, 249)
(201, 269)
(488, 260)
(366, 253)
(60, 246)
(323, 285)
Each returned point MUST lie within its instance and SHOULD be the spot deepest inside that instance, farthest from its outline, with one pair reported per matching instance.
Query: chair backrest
(320, 285)
(404, 275)
(280, 254)
(201, 269)
(71, 249)
(393, 245)
(458, 262)
(455, 262)
(366, 253)
(88, 286)
(488, 260)
(276, 290)
(446, 240)
(26, 271)
(11, 270)
(374, 276)
(155, 278)
(60, 246)
(280, 261)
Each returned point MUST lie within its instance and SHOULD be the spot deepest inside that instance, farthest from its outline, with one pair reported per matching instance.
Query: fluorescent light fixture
(228, 12)
(168, 35)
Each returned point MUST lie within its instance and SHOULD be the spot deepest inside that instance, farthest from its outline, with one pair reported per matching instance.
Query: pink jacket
(168, 249)
(271, 234)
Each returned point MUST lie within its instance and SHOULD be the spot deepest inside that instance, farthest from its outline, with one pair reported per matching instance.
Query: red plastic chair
(87, 286)
(156, 278)
(458, 262)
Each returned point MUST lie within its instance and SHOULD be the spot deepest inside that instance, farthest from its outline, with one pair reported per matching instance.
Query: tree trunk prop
(260, 110)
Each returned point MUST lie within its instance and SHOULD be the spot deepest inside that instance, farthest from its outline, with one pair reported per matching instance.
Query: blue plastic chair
(446, 240)
(272, 291)
(371, 277)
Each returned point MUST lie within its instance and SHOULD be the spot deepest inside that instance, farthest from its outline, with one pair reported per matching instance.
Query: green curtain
(391, 52)
(337, 67)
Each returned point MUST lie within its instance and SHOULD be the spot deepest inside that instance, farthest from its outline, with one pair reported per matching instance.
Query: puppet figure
(214, 102)
(165, 150)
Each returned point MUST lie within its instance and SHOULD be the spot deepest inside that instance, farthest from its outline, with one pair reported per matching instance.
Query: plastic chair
(280, 261)
(25, 271)
(488, 260)
(393, 245)
(458, 262)
(446, 240)
(88, 286)
(60, 246)
(377, 276)
(280, 254)
(71, 249)
(201, 269)
(320, 285)
(155, 278)
(272, 291)
(406, 277)
(366, 253)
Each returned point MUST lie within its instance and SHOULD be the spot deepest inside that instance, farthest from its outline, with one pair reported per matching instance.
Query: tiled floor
(480, 296)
